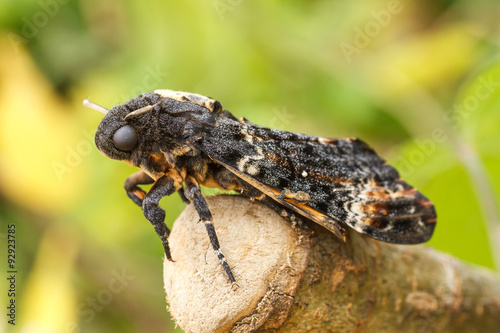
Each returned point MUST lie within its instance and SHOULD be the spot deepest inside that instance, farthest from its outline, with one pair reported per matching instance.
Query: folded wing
(346, 180)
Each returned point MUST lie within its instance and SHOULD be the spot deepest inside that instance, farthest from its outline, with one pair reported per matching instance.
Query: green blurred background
(418, 80)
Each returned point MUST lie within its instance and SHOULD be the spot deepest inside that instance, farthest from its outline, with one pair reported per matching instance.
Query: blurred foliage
(407, 77)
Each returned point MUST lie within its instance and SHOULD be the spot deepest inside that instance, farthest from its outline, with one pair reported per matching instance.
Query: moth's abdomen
(396, 213)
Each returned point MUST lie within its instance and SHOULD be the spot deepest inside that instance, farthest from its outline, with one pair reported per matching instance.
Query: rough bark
(293, 281)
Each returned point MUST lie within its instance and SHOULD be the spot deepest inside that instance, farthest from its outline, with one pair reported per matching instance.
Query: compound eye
(125, 138)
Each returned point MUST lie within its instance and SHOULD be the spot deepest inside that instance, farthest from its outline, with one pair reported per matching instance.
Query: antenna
(95, 106)
(145, 109)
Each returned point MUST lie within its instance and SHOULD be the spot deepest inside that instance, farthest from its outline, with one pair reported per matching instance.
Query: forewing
(345, 179)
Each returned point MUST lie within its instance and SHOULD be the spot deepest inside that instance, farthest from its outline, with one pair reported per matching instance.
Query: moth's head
(127, 128)
(118, 135)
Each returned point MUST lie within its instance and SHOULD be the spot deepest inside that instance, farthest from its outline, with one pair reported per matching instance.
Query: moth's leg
(289, 215)
(300, 197)
(299, 220)
(226, 179)
(193, 193)
(134, 192)
(250, 191)
(183, 196)
(164, 186)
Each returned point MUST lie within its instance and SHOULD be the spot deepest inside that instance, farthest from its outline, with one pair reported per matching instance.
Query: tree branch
(292, 281)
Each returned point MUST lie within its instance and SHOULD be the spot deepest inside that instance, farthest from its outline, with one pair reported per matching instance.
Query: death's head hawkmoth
(181, 141)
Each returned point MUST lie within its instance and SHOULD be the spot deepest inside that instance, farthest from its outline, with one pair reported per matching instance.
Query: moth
(181, 141)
